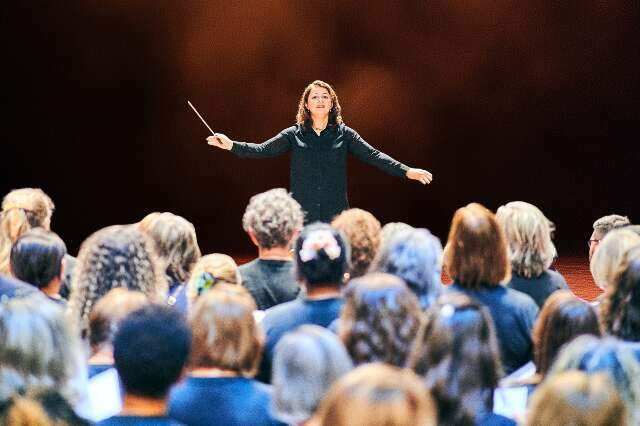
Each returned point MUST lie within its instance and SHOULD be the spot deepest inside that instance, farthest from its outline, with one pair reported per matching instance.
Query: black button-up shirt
(318, 176)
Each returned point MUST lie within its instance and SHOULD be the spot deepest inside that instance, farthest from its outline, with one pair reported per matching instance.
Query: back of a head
(150, 350)
(608, 356)
(36, 257)
(175, 242)
(528, 233)
(379, 320)
(109, 311)
(212, 270)
(39, 348)
(415, 256)
(456, 351)
(476, 252)
(603, 225)
(321, 255)
(225, 334)
(363, 231)
(562, 318)
(116, 256)
(574, 398)
(620, 312)
(378, 395)
(274, 217)
(22, 209)
(306, 363)
(606, 261)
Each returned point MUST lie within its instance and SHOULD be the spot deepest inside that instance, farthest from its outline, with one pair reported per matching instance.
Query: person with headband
(319, 144)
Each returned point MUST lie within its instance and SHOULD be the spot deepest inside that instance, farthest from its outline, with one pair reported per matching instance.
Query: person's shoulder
(291, 130)
(11, 287)
(284, 312)
(249, 266)
(556, 278)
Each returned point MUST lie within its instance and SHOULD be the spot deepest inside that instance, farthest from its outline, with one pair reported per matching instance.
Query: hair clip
(319, 240)
(205, 282)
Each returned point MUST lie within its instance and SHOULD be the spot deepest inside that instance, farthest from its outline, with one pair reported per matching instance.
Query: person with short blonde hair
(378, 395)
(226, 349)
(574, 398)
(476, 257)
(273, 219)
(211, 270)
(177, 247)
(531, 250)
(612, 249)
(363, 231)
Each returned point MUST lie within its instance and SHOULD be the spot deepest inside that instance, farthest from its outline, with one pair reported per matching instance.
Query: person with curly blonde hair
(177, 247)
(364, 233)
(273, 219)
(116, 256)
(320, 143)
(211, 270)
(531, 250)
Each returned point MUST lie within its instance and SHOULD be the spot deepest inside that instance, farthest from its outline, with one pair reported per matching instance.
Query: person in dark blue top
(150, 349)
(476, 258)
(319, 144)
(322, 259)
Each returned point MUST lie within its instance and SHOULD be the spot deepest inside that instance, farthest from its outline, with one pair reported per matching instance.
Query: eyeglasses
(590, 242)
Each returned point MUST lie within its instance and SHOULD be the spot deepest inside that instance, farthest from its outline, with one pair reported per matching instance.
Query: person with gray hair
(40, 350)
(602, 226)
(531, 250)
(273, 219)
(306, 363)
(415, 255)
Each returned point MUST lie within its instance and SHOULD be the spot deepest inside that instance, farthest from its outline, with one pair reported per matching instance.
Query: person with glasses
(602, 226)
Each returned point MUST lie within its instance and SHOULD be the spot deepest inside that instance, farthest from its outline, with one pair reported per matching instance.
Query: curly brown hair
(303, 117)
(620, 313)
(364, 233)
(379, 320)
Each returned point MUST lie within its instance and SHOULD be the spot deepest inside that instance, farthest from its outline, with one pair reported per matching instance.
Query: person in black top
(319, 143)
(150, 349)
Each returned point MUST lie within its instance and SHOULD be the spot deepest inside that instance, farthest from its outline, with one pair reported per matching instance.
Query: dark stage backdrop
(501, 100)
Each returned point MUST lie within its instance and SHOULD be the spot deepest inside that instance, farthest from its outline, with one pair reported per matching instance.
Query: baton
(199, 116)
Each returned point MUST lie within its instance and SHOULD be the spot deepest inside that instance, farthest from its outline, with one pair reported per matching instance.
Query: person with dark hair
(273, 219)
(227, 346)
(319, 144)
(150, 350)
(37, 258)
(414, 255)
(457, 354)
(379, 319)
(476, 258)
(322, 259)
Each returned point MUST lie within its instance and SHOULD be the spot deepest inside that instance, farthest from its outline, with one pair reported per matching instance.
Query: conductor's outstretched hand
(220, 141)
(423, 176)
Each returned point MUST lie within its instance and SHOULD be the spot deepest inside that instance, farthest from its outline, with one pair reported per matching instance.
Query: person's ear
(62, 269)
(252, 236)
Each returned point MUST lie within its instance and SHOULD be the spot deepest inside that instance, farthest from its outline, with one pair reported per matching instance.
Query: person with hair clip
(319, 144)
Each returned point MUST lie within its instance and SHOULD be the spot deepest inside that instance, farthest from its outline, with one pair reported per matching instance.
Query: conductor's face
(319, 101)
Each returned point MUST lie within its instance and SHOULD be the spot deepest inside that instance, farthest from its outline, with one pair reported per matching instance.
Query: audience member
(457, 354)
(606, 262)
(116, 256)
(476, 258)
(273, 219)
(363, 233)
(379, 319)
(531, 250)
(322, 260)
(227, 345)
(602, 226)
(609, 356)
(177, 247)
(415, 255)
(39, 407)
(574, 398)
(150, 350)
(306, 363)
(39, 350)
(37, 258)
(620, 309)
(391, 229)
(378, 395)
(211, 270)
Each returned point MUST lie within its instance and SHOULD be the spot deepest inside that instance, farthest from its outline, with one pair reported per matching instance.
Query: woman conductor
(319, 143)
